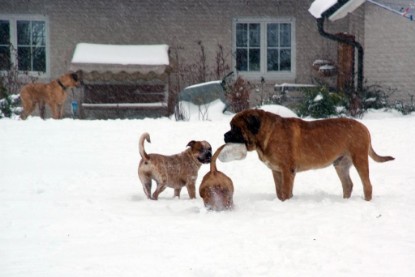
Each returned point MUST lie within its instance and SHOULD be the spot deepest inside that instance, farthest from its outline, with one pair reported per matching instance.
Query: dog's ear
(191, 143)
(253, 123)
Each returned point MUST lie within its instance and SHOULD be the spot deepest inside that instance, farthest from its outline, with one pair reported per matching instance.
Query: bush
(237, 95)
(319, 102)
(8, 102)
(5, 102)
(375, 97)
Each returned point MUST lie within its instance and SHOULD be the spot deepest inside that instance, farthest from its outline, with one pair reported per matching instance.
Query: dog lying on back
(53, 94)
(216, 188)
(174, 171)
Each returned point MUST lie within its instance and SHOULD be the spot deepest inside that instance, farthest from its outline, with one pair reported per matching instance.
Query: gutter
(355, 44)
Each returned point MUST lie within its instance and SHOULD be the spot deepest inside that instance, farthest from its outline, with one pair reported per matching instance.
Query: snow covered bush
(319, 102)
(7, 102)
(375, 97)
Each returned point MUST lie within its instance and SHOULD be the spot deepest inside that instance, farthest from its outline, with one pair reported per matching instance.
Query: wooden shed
(122, 81)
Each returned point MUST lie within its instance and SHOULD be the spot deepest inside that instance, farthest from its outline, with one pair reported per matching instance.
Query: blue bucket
(74, 108)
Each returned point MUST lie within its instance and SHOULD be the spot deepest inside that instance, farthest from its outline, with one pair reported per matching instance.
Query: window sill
(255, 76)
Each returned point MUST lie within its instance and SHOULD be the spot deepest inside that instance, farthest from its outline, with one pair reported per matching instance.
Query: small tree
(196, 71)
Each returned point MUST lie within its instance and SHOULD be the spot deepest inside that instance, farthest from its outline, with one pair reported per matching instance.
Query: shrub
(319, 102)
(375, 97)
(237, 95)
(5, 102)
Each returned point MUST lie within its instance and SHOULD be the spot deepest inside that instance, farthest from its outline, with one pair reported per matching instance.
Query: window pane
(254, 35)
(272, 35)
(38, 33)
(272, 60)
(31, 42)
(242, 59)
(39, 59)
(241, 35)
(23, 32)
(285, 35)
(254, 59)
(285, 59)
(4, 32)
(4, 58)
(24, 58)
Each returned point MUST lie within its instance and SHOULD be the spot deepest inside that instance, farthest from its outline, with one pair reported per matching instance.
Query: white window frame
(13, 40)
(263, 72)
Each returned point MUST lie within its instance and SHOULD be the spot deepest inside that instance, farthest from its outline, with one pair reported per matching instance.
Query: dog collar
(62, 86)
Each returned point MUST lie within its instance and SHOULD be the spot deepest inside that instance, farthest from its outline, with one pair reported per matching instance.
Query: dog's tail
(377, 158)
(213, 160)
(143, 153)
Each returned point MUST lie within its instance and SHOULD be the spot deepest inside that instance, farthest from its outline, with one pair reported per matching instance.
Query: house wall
(389, 52)
(176, 23)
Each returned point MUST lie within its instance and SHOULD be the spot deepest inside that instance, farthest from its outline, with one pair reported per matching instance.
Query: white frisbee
(233, 152)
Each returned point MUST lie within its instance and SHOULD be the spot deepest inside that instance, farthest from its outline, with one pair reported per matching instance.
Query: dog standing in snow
(291, 145)
(174, 171)
(53, 94)
(216, 188)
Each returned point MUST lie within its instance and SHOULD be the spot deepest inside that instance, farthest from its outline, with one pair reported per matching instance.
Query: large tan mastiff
(291, 145)
(53, 94)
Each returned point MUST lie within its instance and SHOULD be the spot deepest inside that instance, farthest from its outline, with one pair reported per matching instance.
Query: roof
(90, 57)
(397, 4)
(334, 9)
(405, 8)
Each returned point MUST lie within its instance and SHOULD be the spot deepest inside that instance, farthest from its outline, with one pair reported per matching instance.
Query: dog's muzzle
(234, 137)
(205, 156)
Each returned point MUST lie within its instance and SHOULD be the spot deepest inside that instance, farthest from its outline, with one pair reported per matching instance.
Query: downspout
(320, 26)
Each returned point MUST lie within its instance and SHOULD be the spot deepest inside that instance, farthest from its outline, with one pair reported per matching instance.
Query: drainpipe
(320, 26)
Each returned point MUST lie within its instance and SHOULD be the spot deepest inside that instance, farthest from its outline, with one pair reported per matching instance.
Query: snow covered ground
(71, 204)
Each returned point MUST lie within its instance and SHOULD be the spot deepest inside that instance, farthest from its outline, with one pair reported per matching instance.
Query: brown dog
(216, 188)
(53, 94)
(174, 171)
(291, 145)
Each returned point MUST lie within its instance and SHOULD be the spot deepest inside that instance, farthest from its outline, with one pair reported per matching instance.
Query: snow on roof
(347, 8)
(318, 7)
(121, 54)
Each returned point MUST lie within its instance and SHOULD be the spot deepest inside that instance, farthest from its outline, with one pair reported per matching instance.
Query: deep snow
(71, 204)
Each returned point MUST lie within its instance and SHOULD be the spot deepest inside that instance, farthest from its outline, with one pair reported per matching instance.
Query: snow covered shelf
(126, 105)
(284, 87)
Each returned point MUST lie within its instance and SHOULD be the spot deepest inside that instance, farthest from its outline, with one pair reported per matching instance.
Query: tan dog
(216, 188)
(174, 171)
(53, 94)
(291, 145)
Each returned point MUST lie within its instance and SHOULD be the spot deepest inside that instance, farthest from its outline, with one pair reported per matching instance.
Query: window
(264, 47)
(23, 43)
(4, 45)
